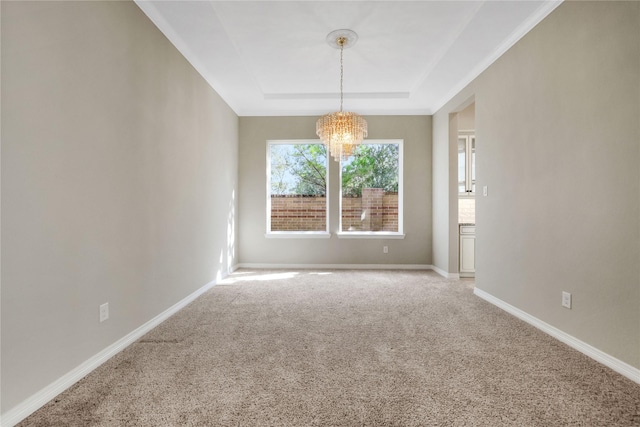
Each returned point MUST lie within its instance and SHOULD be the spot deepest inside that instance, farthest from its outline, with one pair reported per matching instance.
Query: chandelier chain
(341, 73)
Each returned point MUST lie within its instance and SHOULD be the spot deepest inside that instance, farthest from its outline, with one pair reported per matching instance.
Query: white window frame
(295, 234)
(379, 234)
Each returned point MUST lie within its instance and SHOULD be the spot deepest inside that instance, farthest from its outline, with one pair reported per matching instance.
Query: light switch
(566, 299)
(485, 190)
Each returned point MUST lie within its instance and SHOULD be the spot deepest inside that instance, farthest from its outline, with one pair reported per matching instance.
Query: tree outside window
(297, 187)
(371, 189)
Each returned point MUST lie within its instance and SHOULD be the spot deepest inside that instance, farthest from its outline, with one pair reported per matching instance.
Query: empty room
(320, 213)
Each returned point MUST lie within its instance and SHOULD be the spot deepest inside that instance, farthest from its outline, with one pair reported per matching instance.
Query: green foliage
(298, 169)
(373, 166)
(279, 184)
(309, 165)
(301, 169)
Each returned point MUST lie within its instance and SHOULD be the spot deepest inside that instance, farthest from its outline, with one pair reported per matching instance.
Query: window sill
(298, 235)
(370, 235)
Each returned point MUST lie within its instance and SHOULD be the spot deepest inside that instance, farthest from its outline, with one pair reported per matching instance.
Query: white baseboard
(617, 365)
(39, 399)
(338, 266)
(445, 274)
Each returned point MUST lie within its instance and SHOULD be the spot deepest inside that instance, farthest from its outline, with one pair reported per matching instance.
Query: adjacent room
(320, 213)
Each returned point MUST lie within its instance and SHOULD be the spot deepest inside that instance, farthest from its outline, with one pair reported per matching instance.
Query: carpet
(345, 348)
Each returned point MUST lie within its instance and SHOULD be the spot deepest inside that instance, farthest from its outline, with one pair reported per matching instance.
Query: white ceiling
(270, 58)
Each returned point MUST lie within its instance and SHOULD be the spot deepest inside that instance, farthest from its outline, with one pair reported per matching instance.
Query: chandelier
(341, 131)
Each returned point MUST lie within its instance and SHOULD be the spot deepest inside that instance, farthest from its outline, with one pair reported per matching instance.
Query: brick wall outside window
(298, 213)
(308, 213)
(374, 211)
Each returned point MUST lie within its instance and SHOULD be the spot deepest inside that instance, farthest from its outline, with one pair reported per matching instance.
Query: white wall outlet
(104, 312)
(485, 190)
(385, 249)
(566, 299)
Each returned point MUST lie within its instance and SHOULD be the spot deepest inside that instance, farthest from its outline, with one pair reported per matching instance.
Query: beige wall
(119, 183)
(467, 118)
(256, 249)
(557, 125)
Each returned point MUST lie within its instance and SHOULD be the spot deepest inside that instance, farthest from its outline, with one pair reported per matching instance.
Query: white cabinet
(466, 165)
(467, 251)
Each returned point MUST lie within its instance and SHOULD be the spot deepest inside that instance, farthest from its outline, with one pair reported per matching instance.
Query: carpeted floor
(345, 348)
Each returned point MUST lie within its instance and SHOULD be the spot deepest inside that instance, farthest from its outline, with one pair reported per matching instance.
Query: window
(297, 188)
(371, 190)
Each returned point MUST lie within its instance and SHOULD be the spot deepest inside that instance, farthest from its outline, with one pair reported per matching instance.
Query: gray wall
(557, 125)
(119, 183)
(255, 248)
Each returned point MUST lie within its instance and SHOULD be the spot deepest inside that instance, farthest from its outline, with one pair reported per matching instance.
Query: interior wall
(119, 183)
(440, 191)
(557, 120)
(255, 248)
(467, 118)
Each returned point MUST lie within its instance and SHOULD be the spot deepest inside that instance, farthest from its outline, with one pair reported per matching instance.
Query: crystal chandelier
(341, 131)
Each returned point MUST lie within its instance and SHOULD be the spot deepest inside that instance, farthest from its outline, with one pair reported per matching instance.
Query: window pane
(370, 186)
(297, 182)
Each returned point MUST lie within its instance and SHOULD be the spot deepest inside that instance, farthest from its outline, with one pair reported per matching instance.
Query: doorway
(466, 191)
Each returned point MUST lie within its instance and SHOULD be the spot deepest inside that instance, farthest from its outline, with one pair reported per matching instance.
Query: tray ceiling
(270, 58)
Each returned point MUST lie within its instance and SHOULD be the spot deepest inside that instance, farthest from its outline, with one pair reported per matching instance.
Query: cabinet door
(467, 254)
(471, 164)
(466, 165)
(462, 164)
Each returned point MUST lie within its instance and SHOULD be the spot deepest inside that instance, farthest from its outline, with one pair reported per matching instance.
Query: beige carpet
(345, 348)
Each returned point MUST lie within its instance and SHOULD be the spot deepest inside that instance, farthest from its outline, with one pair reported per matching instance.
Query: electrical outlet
(566, 299)
(104, 312)
(385, 249)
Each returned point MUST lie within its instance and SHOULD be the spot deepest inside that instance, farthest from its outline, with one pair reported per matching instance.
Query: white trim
(534, 19)
(297, 235)
(291, 234)
(149, 9)
(337, 266)
(40, 398)
(365, 235)
(598, 355)
(369, 235)
(445, 274)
